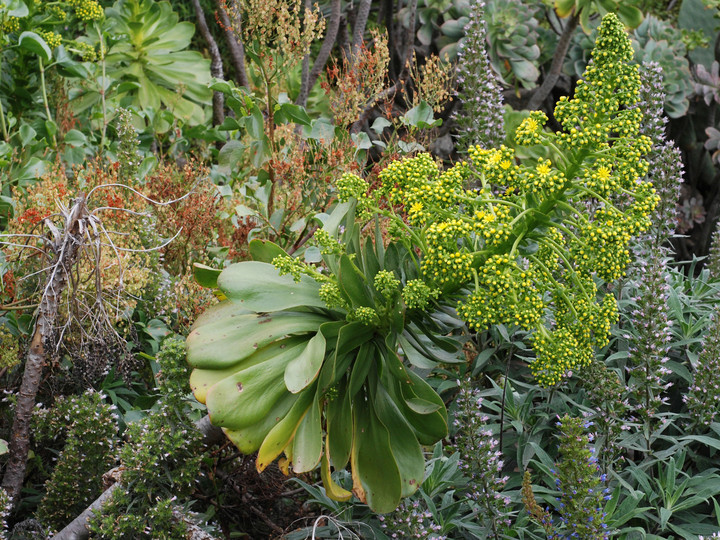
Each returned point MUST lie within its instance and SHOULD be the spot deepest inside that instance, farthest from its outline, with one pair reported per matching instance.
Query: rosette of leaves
(629, 14)
(148, 64)
(512, 31)
(281, 372)
(448, 17)
(657, 41)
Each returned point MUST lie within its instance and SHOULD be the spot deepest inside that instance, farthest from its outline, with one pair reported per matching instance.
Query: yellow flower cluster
(530, 130)
(506, 294)
(53, 39)
(351, 186)
(87, 10)
(11, 24)
(493, 224)
(544, 179)
(495, 166)
(402, 179)
(446, 262)
(416, 294)
(556, 355)
(600, 109)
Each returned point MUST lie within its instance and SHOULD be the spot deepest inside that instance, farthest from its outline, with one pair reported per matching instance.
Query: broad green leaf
(17, 8)
(414, 356)
(405, 448)
(283, 432)
(249, 439)
(421, 116)
(295, 113)
(373, 461)
(564, 7)
(339, 430)
(394, 364)
(304, 368)
(245, 397)
(234, 336)
(307, 444)
(3, 447)
(206, 276)
(265, 250)
(258, 286)
(364, 362)
(352, 283)
(32, 42)
(415, 400)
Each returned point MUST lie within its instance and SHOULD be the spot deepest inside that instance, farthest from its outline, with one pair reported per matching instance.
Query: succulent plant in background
(512, 30)
(630, 15)
(707, 83)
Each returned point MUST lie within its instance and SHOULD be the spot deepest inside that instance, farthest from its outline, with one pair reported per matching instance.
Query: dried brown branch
(66, 251)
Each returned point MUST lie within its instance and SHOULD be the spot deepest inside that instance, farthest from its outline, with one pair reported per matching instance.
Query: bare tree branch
(216, 65)
(552, 76)
(232, 31)
(321, 59)
(359, 29)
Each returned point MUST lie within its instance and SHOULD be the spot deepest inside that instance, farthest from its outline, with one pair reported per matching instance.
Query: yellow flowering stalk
(532, 243)
(313, 362)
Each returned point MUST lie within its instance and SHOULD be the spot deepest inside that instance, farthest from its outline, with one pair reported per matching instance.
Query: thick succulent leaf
(307, 444)
(405, 447)
(339, 430)
(414, 356)
(393, 363)
(332, 490)
(373, 461)
(232, 337)
(370, 259)
(352, 284)
(282, 434)
(205, 275)
(259, 287)
(364, 362)
(416, 401)
(249, 439)
(246, 397)
(265, 250)
(304, 368)
(564, 7)
(201, 380)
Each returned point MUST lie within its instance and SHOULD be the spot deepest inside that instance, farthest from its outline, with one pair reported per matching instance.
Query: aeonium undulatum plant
(317, 362)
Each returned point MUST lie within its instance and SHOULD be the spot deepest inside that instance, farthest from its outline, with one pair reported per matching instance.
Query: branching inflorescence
(536, 241)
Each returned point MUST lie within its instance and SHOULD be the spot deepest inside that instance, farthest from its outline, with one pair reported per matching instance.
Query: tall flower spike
(651, 337)
(480, 459)
(579, 480)
(713, 263)
(481, 117)
(703, 397)
(665, 164)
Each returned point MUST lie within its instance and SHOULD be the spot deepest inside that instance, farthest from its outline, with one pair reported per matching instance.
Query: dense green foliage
(414, 310)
